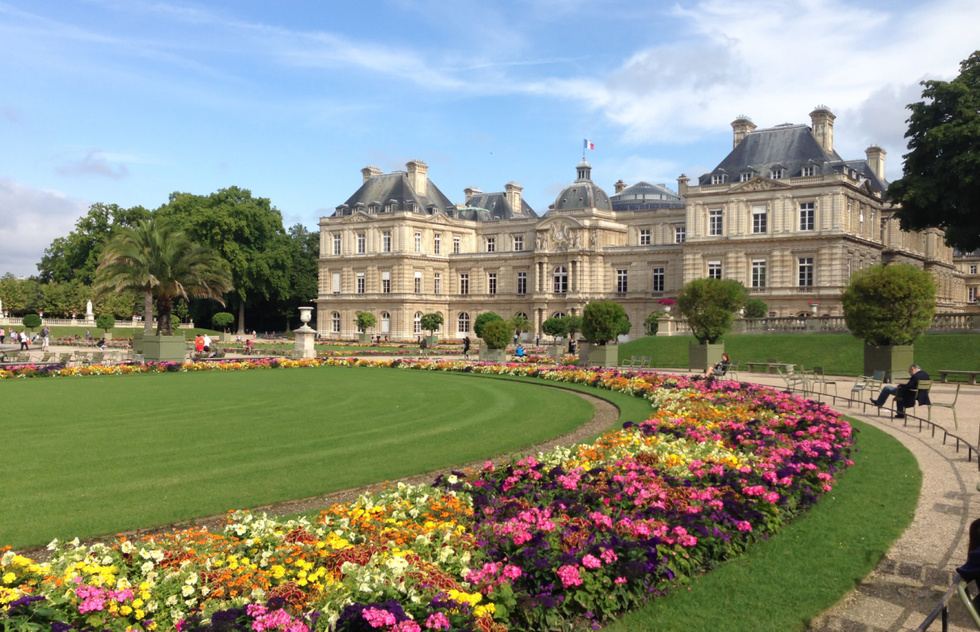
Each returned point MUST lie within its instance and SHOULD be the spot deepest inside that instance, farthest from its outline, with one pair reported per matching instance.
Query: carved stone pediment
(560, 235)
(759, 183)
(357, 218)
(441, 219)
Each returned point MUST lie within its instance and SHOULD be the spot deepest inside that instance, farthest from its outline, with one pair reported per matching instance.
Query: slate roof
(394, 187)
(583, 193)
(495, 206)
(644, 196)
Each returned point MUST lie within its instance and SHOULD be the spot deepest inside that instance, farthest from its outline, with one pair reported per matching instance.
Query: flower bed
(571, 535)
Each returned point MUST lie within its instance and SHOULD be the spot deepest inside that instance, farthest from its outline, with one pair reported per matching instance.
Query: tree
(431, 322)
(247, 232)
(652, 323)
(710, 305)
(303, 248)
(164, 264)
(756, 308)
(105, 322)
(31, 321)
(497, 333)
(889, 305)
(604, 321)
(222, 320)
(365, 320)
(520, 323)
(940, 184)
(482, 320)
(555, 327)
(575, 324)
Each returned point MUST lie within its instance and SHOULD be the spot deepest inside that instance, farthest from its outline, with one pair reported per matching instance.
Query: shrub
(31, 321)
(497, 333)
(889, 305)
(603, 321)
(557, 327)
(105, 322)
(756, 308)
(365, 320)
(575, 325)
(652, 323)
(710, 305)
(222, 320)
(481, 322)
(431, 322)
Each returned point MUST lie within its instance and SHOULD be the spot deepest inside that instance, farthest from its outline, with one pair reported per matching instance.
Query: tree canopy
(940, 184)
(710, 305)
(603, 321)
(889, 305)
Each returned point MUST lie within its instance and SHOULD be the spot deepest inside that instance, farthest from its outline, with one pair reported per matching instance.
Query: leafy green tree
(365, 320)
(940, 184)
(520, 323)
(574, 324)
(20, 295)
(710, 306)
(889, 305)
(756, 308)
(164, 264)
(431, 322)
(482, 320)
(105, 322)
(555, 327)
(497, 333)
(603, 321)
(31, 321)
(652, 323)
(247, 232)
(222, 320)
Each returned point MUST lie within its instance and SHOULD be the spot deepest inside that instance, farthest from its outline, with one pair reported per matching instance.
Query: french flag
(589, 145)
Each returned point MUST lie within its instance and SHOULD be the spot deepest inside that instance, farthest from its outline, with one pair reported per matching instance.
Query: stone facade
(782, 213)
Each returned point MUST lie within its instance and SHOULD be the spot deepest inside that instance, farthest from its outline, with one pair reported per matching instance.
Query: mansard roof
(583, 193)
(644, 196)
(495, 206)
(395, 189)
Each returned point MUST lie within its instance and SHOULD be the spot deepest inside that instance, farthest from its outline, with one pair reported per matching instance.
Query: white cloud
(30, 219)
(95, 163)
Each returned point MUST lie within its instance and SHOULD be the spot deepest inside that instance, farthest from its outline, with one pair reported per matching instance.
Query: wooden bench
(971, 374)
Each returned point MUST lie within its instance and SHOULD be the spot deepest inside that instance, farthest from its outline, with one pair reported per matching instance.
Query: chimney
(417, 178)
(741, 126)
(620, 187)
(682, 185)
(469, 192)
(370, 171)
(822, 120)
(876, 160)
(514, 196)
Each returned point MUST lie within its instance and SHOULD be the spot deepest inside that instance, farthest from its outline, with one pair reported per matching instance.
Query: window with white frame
(491, 283)
(714, 221)
(680, 234)
(561, 280)
(418, 282)
(806, 216)
(558, 315)
(437, 283)
(718, 178)
(417, 323)
(518, 243)
(745, 176)
(361, 243)
(437, 244)
(644, 236)
(807, 171)
(973, 269)
(386, 282)
(418, 242)
(335, 322)
(777, 174)
(759, 219)
(806, 271)
(386, 241)
(491, 244)
(463, 323)
(336, 244)
(464, 283)
(522, 282)
(336, 283)
(758, 273)
(658, 279)
(385, 323)
(971, 294)
(714, 269)
(360, 283)
(455, 245)
(621, 280)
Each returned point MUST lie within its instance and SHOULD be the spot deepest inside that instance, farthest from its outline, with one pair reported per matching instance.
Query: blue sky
(128, 101)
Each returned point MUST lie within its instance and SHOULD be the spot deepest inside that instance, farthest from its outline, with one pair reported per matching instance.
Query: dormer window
(808, 171)
(718, 178)
(745, 176)
(391, 206)
(777, 173)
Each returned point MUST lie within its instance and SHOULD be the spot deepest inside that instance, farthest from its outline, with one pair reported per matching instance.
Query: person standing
(905, 394)
(45, 337)
(25, 340)
(3, 334)
(466, 345)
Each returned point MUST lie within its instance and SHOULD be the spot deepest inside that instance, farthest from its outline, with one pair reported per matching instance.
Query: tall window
(335, 322)
(360, 283)
(437, 283)
(491, 244)
(971, 294)
(386, 282)
(658, 279)
(418, 282)
(621, 284)
(463, 323)
(714, 221)
(759, 219)
(386, 241)
(518, 243)
(455, 245)
(336, 283)
(680, 234)
(385, 323)
(522, 282)
(360, 243)
(806, 271)
(758, 273)
(714, 269)
(644, 236)
(973, 269)
(417, 323)
(336, 244)
(437, 244)
(418, 242)
(464, 283)
(561, 280)
(491, 283)
(806, 216)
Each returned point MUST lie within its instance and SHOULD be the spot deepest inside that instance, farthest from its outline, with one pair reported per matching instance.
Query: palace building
(782, 213)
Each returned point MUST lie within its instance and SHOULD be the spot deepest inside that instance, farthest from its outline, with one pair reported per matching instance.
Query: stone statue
(88, 308)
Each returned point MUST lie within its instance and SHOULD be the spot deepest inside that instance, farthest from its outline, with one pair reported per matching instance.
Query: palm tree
(164, 264)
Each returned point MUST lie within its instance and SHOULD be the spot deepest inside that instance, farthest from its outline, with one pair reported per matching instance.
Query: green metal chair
(964, 594)
(820, 378)
(951, 406)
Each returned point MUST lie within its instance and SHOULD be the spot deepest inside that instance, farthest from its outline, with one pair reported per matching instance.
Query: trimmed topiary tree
(604, 321)
(222, 320)
(482, 320)
(431, 322)
(756, 308)
(364, 321)
(710, 306)
(555, 327)
(497, 334)
(575, 324)
(31, 321)
(105, 322)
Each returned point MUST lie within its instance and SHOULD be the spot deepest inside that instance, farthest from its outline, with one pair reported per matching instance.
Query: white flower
(127, 547)
(147, 567)
(186, 590)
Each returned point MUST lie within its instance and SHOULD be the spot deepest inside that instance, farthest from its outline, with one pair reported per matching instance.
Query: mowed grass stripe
(92, 456)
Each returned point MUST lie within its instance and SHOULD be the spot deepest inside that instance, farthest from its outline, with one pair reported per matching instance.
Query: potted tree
(709, 305)
(602, 323)
(496, 336)
(364, 321)
(557, 328)
(889, 306)
(481, 321)
(222, 321)
(431, 323)
(105, 322)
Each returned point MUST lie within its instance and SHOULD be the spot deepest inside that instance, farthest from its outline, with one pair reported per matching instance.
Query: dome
(583, 193)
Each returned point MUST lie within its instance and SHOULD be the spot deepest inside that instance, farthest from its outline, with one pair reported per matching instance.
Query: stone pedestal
(305, 339)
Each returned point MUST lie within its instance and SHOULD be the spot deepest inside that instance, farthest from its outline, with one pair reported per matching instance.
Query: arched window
(464, 323)
(558, 315)
(336, 323)
(417, 327)
(385, 323)
(561, 280)
(521, 315)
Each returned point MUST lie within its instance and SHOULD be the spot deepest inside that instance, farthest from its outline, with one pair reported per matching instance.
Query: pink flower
(569, 576)
(376, 617)
(437, 621)
(620, 580)
(608, 556)
(591, 561)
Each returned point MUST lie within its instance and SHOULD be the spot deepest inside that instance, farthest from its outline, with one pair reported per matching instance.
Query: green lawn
(838, 354)
(91, 456)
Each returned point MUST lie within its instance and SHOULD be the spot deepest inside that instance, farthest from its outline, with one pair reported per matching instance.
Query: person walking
(466, 346)
(3, 334)
(25, 340)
